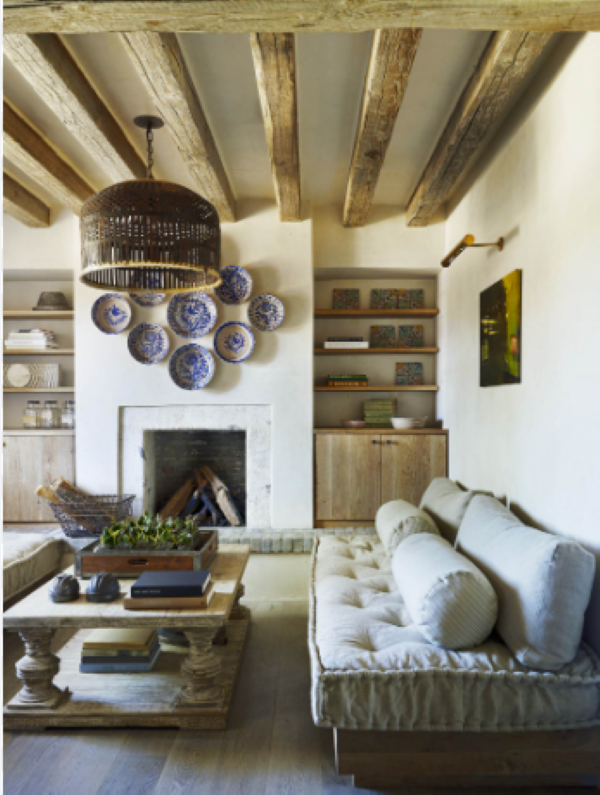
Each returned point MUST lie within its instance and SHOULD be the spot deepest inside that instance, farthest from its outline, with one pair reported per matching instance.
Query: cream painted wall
(54, 248)
(278, 374)
(538, 443)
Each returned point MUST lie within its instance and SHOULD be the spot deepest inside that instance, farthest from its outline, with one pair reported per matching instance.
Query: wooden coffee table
(191, 691)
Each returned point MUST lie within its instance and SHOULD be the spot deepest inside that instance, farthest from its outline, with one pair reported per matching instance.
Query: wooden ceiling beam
(23, 205)
(25, 148)
(392, 56)
(505, 62)
(275, 66)
(159, 62)
(47, 65)
(294, 16)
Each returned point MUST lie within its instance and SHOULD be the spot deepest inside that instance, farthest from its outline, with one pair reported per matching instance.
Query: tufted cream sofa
(383, 687)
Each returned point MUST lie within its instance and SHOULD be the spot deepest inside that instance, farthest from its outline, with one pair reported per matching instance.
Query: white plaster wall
(537, 443)
(279, 373)
(53, 248)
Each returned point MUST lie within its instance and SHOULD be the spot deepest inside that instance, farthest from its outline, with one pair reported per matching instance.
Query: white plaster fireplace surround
(255, 421)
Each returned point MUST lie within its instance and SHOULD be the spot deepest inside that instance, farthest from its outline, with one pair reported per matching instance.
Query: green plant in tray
(150, 532)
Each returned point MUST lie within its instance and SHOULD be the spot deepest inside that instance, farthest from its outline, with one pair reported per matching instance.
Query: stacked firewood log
(206, 499)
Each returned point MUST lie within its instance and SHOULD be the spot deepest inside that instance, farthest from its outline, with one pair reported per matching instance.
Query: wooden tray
(130, 563)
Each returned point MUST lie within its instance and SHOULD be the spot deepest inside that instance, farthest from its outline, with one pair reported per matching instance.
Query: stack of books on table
(379, 413)
(336, 343)
(170, 590)
(119, 651)
(347, 380)
(34, 338)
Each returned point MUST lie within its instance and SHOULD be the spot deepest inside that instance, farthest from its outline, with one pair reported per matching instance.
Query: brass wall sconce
(468, 241)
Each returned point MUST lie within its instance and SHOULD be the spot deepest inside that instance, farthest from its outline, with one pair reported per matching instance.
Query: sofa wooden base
(387, 760)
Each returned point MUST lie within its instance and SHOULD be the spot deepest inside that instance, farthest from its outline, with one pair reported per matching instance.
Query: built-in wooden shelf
(373, 351)
(38, 432)
(44, 352)
(376, 431)
(22, 389)
(357, 313)
(28, 314)
(381, 388)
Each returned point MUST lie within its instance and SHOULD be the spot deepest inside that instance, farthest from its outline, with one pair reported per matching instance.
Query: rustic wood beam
(23, 205)
(47, 65)
(392, 56)
(275, 65)
(25, 148)
(295, 16)
(505, 62)
(159, 62)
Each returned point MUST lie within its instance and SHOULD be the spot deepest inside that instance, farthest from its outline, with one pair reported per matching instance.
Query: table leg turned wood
(200, 671)
(37, 670)
(239, 611)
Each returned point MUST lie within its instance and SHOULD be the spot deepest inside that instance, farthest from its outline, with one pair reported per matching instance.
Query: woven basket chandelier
(150, 236)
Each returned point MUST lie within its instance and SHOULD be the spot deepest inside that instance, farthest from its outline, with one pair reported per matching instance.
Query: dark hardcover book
(345, 339)
(171, 583)
(129, 666)
(122, 657)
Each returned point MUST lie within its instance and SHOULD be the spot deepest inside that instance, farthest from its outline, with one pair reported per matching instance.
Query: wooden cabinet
(348, 474)
(31, 460)
(356, 472)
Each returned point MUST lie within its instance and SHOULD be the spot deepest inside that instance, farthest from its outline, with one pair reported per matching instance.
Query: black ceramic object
(103, 587)
(64, 588)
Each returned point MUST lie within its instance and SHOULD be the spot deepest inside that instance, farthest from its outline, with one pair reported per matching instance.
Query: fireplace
(159, 446)
(172, 457)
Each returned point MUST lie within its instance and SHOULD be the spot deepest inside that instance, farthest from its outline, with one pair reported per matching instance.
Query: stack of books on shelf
(119, 651)
(34, 338)
(379, 413)
(347, 380)
(170, 590)
(336, 343)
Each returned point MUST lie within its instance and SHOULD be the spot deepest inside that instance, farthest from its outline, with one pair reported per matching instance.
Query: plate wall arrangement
(147, 299)
(234, 342)
(236, 286)
(148, 343)
(266, 312)
(191, 315)
(192, 367)
(111, 313)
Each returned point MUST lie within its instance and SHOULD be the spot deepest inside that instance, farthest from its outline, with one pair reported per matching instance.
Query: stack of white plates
(407, 423)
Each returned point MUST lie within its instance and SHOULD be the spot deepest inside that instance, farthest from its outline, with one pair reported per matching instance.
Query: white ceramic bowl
(402, 423)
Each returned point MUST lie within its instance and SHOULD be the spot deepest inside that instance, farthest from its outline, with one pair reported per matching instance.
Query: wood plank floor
(271, 746)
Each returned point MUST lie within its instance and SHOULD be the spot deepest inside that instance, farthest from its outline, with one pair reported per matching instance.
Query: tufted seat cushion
(27, 558)
(373, 669)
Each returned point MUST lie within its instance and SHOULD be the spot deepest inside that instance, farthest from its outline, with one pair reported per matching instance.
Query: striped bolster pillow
(448, 597)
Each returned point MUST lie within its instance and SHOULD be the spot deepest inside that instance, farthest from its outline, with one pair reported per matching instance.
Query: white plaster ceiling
(331, 68)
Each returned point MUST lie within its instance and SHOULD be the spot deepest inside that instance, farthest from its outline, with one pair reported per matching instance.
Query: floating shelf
(44, 352)
(373, 351)
(392, 388)
(28, 314)
(22, 389)
(356, 313)
(38, 432)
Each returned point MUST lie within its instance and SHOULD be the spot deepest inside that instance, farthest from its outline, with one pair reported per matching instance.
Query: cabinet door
(29, 462)
(409, 464)
(348, 476)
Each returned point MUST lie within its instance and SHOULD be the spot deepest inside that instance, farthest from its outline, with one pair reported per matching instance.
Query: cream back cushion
(450, 600)
(543, 582)
(398, 519)
(447, 504)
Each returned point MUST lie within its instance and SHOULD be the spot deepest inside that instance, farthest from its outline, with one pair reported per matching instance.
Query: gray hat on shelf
(52, 302)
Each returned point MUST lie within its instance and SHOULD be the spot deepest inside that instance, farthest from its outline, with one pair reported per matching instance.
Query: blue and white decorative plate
(266, 312)
(111, 313)
(148, 343)
(236, 286)
(191, 315)
(234, 342)
(192, 366)
(147, 299)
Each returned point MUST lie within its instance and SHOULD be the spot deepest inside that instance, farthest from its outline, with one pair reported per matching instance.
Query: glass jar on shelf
(50, 415)
(68, 415)
(31, 415)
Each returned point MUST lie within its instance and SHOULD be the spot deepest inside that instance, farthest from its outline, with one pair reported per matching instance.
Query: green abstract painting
(500, 332)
